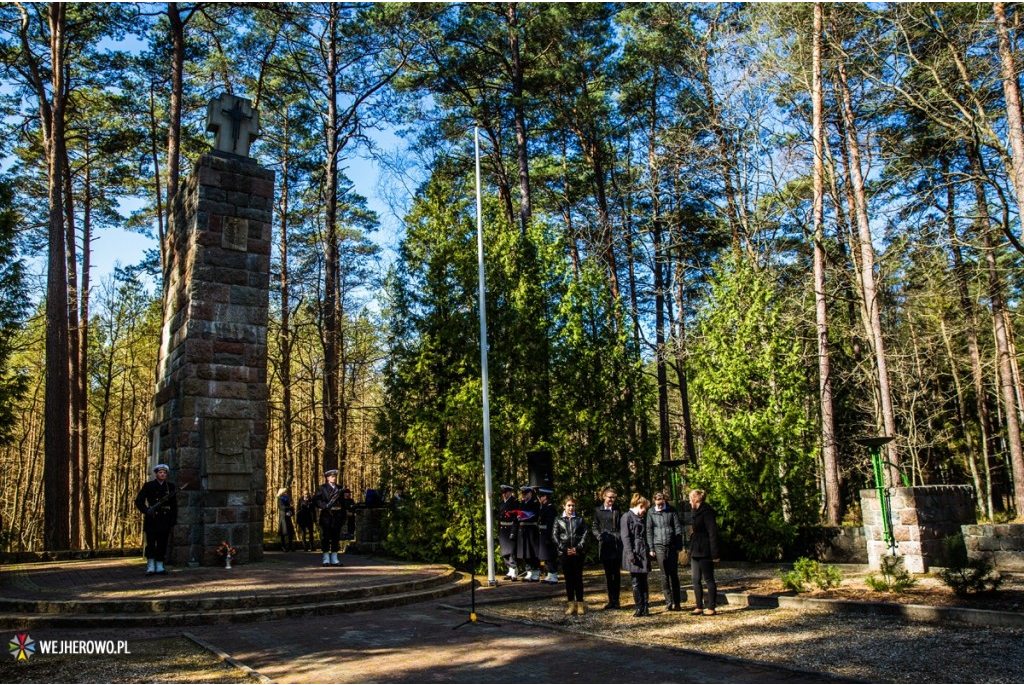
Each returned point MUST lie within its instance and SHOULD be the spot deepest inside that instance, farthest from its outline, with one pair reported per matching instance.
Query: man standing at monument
(328, 499)
(158, 504)
(507, 529)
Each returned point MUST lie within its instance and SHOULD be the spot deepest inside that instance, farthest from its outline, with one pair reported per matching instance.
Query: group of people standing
(334, 510)
(629, 541)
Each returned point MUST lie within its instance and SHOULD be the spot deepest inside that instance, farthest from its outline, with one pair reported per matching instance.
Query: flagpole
(483, 367)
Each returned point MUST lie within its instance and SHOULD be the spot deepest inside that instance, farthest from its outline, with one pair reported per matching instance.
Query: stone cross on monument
(234, 122)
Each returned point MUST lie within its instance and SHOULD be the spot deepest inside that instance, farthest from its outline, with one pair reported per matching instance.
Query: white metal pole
(483, 367)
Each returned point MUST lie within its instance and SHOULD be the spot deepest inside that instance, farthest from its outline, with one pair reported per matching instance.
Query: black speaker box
(540, 469)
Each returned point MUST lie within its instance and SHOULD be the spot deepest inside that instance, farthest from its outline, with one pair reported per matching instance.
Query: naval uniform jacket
(332, 515)
(166, 515)
(507, 525)
(528, 530)
(548, 551)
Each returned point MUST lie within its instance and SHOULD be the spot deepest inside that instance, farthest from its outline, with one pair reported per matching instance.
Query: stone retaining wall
(921, 517)
(1003, 544)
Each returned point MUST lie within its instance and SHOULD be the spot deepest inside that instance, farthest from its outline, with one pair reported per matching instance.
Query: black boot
(638, 601)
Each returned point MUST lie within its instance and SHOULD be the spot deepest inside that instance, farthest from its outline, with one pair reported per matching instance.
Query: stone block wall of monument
(210, 415)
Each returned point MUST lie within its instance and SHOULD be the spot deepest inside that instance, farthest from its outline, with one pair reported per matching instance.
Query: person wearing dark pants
(328, 499)
(304, 517)
(548, 553)
(606, 529)
(569, 533)
(703, 553)
(665, 539)
(158, 503)
(507, 528)
(635, 553)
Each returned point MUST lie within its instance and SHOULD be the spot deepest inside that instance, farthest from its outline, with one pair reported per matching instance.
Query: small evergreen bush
(964, 575)
(895, 578)
(810, 571)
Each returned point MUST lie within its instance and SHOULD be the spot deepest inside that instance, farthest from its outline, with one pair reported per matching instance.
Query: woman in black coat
(285, 513)
(703, 553)
(635, 553)
(569, 533)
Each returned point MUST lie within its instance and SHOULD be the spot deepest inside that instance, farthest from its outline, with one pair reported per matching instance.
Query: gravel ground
(165, 660)
(873, 649)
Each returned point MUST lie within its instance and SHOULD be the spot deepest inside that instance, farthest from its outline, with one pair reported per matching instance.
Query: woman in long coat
(635, 553)
(285, 514)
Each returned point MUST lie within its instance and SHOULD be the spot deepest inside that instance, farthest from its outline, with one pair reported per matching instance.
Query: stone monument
(210, 413)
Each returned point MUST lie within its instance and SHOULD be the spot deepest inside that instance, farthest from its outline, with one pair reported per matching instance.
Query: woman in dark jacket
(285, 513)
(304, 517)
(703, 553)
(635, 553)
(568, 534)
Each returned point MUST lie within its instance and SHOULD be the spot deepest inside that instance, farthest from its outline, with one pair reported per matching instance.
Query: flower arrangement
(226, 552)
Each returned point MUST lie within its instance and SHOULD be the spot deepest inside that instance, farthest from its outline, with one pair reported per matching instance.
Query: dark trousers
(704, 569)
(306, 535)
(641, 592)
(572, 570)
(668, 560)
(613, 576)
(156, 540)
(330, 535)
(510, 561)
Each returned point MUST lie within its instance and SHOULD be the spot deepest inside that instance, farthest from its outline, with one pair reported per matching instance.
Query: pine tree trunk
(331, 255)
(830, 461)
(58, 389)
(867, 275)
(1014, 119)
(287, 439)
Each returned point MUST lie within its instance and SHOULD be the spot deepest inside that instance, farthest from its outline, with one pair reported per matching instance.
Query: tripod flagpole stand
(472, 580)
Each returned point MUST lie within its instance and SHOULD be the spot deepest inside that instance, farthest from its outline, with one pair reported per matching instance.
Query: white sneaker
(525, 575)
(552, 578)
(511, 574)
(334, 559)
(150, 567)
(327, 559)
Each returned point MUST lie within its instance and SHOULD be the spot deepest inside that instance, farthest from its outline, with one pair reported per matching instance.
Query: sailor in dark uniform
(548, 552)
(507, 525)
(157, 502)
(329, 500)
(528, 534)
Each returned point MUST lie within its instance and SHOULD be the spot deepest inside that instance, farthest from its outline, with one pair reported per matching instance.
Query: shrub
(964, 575)
(895, 578)
(810, 571)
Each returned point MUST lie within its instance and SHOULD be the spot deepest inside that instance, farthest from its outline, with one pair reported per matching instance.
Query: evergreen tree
(750, 387)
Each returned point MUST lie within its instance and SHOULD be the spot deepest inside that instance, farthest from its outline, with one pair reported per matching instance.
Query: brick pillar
(210, 414)
(921, 517)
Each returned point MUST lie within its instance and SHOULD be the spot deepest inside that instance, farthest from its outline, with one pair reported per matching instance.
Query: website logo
(22, 647)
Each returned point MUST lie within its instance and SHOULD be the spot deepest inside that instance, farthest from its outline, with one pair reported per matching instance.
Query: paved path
(414, 643)
(125, 578)
(417, 644)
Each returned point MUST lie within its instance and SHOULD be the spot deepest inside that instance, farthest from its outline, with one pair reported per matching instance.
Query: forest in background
(723, 242)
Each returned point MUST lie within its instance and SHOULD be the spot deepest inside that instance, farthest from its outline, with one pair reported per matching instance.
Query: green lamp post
(874, 445)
